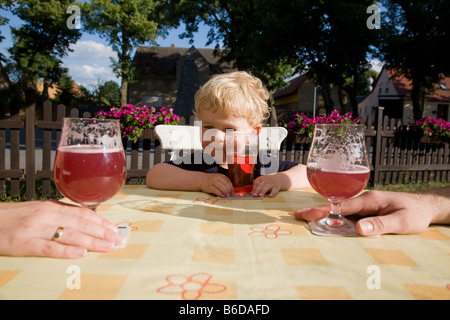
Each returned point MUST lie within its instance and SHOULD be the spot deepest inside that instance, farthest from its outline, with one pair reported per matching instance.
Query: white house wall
(366, 106)
(385, 89)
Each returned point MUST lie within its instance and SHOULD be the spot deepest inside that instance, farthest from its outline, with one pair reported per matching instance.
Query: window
(443, 86)
(442, 111)
(153, 101)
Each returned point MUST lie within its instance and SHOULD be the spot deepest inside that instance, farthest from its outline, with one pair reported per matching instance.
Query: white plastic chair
(174, 138)
(270, 138)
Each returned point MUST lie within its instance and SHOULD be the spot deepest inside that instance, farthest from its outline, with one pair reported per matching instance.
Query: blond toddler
(235, 101)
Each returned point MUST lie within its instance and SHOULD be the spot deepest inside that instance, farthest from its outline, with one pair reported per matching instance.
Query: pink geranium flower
(432, 127)
(134, 119)
(304, 125)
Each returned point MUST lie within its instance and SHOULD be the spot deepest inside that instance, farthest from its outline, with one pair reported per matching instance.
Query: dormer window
(443, 86)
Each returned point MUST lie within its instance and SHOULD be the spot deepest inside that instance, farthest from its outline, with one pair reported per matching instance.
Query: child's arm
(169, 177)
(293, 178)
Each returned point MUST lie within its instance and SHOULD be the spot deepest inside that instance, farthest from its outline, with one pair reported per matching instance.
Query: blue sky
(89, 62)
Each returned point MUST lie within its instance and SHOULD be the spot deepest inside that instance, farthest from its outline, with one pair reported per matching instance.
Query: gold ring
(58, 234)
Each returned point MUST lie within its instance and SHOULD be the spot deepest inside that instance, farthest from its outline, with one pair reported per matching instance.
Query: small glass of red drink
(90, 164)
(241, 156)
(338, 169)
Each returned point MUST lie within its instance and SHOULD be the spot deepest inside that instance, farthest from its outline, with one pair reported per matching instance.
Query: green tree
(4, 21)
(65, 93)
(85, 97)
(414, 34)
(328, 39)
(345, 44)
(125, 25)
(104, 94)
(108, 94)
(245, 29)
(43, 39)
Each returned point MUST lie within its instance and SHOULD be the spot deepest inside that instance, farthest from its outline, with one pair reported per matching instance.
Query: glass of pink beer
(338, 169)
(241, 156)
(90, 163)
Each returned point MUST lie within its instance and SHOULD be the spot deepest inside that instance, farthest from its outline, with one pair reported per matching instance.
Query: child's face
(219, 122)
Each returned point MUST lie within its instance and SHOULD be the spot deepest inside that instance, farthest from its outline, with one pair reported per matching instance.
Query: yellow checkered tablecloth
(190, 245)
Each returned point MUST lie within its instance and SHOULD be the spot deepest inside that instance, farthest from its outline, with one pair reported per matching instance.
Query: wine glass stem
(335, 217)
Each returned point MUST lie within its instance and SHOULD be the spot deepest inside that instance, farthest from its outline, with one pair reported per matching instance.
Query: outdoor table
(191, 245)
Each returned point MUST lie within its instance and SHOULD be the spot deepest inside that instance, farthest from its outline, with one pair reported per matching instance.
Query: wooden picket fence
(394, 158)
(140, 156)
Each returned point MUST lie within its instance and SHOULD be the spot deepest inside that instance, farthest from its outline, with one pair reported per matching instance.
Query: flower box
(420, 135)
(135, 121)
(431, 130)
(303, 125)
(149, 133)
(300, 138)
(435, 139)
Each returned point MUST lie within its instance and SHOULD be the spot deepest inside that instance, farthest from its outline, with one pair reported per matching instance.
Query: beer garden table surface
(191, 245)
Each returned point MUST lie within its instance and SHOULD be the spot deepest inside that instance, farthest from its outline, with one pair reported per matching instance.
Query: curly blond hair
(237, 94)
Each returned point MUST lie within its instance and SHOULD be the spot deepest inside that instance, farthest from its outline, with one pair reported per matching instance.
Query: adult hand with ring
(53, 229)
(58, 234)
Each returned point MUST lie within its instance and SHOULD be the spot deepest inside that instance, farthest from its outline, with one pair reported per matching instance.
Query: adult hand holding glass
(338, 169)
(384, 212)
(90, 163)
(28, 227)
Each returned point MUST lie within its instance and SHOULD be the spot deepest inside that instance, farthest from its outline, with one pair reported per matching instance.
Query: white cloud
(91, 52)
(377, 65)
(87, 75)
(90, 62)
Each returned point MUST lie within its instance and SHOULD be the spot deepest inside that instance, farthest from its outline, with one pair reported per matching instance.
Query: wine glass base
(239, 196)
(334, 227)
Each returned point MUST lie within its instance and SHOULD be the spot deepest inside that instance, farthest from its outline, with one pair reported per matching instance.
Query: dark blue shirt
(200, 161)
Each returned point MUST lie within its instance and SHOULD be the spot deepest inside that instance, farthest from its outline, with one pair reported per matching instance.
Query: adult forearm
(439, 200)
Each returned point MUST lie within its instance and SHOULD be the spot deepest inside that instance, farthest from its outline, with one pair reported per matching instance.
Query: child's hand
(269, 183)
(218, 184)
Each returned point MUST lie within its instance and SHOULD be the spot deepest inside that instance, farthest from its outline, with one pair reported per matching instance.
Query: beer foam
(88, 149)
(352, 169)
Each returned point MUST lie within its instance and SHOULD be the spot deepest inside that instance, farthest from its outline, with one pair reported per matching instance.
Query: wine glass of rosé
(338, 169)
(90, 165)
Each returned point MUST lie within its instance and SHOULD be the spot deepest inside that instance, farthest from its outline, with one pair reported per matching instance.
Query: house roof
(53, 89)
(441, 95)
(161, 62)
(293, 86)
(403, 87)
